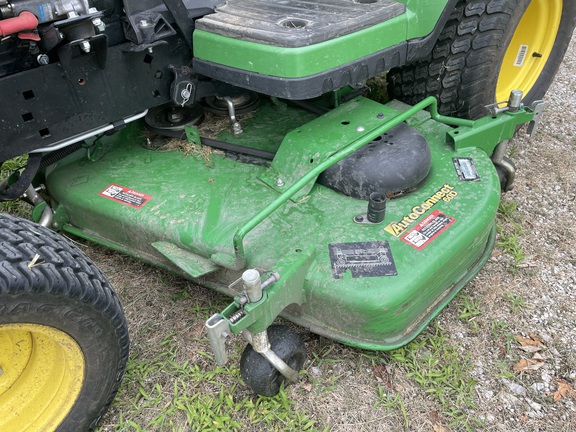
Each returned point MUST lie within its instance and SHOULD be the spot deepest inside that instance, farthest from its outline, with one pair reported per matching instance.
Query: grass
(18, 207)
(510, 233)
(442, 372)
(517, 302)
(165, 394)
(469, 307)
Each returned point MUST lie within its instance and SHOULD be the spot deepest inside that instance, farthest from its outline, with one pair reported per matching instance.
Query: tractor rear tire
(487, 49)
(63, 334)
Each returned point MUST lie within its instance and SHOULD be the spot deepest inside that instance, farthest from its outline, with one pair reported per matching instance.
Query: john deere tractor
(358, 219)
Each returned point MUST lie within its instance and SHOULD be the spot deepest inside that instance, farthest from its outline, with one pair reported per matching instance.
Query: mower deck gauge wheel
(259, 374)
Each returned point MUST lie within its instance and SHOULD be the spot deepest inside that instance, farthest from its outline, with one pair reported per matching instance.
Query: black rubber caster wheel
(505, 184)
(259, 374)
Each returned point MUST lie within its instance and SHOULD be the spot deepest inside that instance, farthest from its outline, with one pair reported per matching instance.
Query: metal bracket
(98, 45)
(218, 330)
(183, 88)
(537, 107)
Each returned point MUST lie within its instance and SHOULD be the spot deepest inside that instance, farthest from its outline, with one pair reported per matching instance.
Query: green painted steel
(221, 213)
(298, 62)
(422, 16)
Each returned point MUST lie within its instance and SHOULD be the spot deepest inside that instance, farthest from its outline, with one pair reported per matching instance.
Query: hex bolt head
(43, 59)
(85, 46)
(99, 24)
(279, 182)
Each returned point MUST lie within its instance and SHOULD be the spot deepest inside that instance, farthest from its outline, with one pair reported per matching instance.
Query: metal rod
(261, 345)
(86, 135)
(335, 158)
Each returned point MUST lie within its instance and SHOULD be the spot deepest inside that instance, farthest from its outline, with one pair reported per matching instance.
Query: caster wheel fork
(272, 358)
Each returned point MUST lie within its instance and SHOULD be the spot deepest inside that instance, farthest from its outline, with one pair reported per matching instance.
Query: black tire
(463, 68)
(46, 283)
(259, 374)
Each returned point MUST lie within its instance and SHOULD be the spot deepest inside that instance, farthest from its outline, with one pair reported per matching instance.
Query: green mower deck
(374, 286)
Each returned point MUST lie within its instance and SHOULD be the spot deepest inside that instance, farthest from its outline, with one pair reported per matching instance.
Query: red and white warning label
(125, 196)
(427, 230)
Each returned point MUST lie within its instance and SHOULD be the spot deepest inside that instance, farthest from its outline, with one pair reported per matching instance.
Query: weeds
(510, 232)
(517, 302)
(469, 308)
(442, 372)
(394, 402)
(163, 394)
(16, 208)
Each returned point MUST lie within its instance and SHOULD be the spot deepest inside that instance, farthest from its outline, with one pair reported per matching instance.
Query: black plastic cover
(398, 161)
(296, 23)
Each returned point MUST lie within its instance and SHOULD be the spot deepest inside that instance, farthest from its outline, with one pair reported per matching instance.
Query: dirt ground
(532, 303)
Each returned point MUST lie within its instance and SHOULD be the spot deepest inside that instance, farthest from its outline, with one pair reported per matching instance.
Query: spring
(236, 316)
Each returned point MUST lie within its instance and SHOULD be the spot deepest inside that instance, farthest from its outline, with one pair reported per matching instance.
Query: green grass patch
(442, 372)
(165, 394)
(510, 233)
(18, 207)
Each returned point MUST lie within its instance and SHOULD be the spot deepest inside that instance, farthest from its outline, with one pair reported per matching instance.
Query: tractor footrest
(296, 23)
(300, 49)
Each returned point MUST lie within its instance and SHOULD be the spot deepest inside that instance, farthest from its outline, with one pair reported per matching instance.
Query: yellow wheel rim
(530, 48)
(41, 374)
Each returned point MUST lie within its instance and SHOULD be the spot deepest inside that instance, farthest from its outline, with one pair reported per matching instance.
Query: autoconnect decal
(446, 193)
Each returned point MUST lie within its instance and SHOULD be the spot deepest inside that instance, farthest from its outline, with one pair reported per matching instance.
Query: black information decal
(365, 259)
(465, 169)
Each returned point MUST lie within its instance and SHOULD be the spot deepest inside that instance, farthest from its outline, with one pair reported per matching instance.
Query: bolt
(144, 23)
(279, 182)
(150, 50)
(85, 46)
(380, 116)
(360, 129)
(55, 225)
(237, 128)
(100, 26)
(43, 59)
(359, 218)
(175, 117)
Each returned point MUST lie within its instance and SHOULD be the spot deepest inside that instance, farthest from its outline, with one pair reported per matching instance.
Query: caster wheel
(505, 184)
(259, 374)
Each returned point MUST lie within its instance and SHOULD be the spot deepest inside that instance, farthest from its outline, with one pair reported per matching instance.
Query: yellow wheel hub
(41, 374)
(530, 48)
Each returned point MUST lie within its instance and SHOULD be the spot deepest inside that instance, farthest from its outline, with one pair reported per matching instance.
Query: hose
(26, 21)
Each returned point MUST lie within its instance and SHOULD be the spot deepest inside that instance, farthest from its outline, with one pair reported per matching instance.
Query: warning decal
(364, 259)
(465, 169)
(428, 229)
(125, 196)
